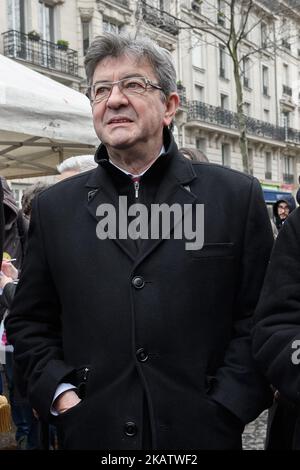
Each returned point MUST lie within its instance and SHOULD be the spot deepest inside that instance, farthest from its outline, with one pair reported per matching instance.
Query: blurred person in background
(282, 209)
(1, 250)
(193, 154)
(16, 227)
(74, 165)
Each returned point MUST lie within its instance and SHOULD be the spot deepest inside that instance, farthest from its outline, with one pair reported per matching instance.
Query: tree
(233, 26)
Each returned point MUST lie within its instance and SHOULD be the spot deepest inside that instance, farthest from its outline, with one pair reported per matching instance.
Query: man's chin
(120, 144)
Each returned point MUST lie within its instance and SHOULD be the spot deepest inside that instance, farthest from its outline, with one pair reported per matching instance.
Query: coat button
(138, 282)
(142, 355)
(130, 429)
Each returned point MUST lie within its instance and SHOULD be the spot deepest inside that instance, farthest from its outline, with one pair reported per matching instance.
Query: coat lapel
(102, 191)
(174, 189)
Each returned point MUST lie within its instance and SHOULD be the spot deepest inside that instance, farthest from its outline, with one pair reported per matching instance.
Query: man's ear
(172, 104)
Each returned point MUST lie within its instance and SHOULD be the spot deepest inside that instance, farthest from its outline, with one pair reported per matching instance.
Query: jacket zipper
(136, 187)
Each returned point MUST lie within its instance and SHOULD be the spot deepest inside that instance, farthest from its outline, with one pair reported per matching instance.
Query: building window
(226, 155)
(286, 33)
(201, 144)
(199, 93)
(46, 22)
(265, 80)
(247, 109)
(246, 72)
(222, 61)
(197, 51)
(85, 36)
(266, 115)
(221, 13)
(16, 15)
(288, 169)
(286, 119)
(263, 34)
(268, 166)
(110, 27)
(224, 102)
(196, 6)
(286, 89)
(286, 78)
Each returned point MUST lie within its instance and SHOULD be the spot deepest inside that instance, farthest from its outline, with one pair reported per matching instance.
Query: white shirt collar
(162, 150)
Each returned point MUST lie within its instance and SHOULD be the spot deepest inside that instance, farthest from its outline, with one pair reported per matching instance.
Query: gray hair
(110, 45)
(194, 154)
(79, 164)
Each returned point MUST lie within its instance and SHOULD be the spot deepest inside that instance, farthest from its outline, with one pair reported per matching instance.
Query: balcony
(159, 19)
(286, 90)
(199, 111)
(288, 178)
(40, 52)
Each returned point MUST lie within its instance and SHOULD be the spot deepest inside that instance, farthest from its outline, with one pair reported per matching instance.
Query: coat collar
(173, 188)
(180, 167)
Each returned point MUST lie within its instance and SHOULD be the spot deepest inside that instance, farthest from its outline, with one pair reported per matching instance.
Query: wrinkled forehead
(110, 67)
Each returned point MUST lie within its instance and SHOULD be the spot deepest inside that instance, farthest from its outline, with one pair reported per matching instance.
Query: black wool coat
(168, 329)
(276, 335)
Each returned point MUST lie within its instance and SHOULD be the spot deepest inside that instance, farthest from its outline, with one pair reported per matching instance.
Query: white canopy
(42, 122)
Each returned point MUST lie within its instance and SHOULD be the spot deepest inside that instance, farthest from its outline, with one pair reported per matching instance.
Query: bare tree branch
(244, 22)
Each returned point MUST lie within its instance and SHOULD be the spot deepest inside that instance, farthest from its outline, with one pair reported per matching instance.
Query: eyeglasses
(128, 86)
(284, 208)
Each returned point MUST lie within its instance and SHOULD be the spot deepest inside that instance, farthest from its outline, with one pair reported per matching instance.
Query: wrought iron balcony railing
(40, 52)
(199, 111)
(159, 19)
(286, 90)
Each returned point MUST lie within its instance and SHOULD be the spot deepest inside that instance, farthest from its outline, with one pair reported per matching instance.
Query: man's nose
(116, 98)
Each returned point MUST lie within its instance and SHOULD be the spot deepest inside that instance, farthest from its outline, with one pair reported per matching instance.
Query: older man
(131, 332)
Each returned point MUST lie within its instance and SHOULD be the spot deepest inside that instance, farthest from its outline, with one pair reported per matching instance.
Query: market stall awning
(42, 122)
